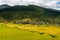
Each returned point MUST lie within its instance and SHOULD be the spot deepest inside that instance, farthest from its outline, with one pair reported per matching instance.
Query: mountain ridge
(33, 12)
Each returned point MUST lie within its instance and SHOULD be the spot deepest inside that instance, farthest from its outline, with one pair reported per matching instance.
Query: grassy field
(9, 31)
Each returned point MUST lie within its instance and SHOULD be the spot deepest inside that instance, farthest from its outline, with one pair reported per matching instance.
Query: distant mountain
(4, 6)
(35, 13)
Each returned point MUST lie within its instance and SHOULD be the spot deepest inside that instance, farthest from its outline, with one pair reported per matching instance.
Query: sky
(54, 4)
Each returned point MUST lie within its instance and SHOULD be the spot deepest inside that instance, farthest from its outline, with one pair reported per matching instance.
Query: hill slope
(35, 13)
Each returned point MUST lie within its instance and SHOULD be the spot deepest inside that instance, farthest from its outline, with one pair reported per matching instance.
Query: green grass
(7, 33)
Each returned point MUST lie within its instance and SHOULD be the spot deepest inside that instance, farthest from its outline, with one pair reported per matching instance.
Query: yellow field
(50, 29)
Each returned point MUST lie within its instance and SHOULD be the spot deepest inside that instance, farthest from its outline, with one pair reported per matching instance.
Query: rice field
(10, 31)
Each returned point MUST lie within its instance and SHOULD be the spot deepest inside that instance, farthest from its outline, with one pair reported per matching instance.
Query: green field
(15, 33)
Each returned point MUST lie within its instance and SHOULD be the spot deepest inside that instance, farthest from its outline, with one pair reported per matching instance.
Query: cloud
(54, 4)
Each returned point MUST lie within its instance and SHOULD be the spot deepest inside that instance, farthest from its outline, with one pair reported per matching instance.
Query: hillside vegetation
(35, 14)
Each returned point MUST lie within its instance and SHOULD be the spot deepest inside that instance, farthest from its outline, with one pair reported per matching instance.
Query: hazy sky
(54, 4)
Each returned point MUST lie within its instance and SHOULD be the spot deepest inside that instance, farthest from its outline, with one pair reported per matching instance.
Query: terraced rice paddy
(9, 31)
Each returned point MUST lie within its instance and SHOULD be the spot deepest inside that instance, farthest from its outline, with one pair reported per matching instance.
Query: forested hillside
(32, 12)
